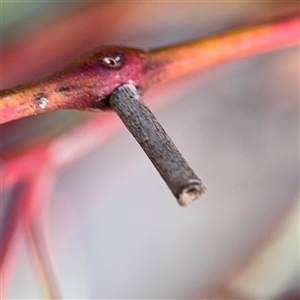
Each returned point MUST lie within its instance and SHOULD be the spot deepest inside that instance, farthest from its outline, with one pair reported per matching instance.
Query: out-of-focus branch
(27, 204)
(38, 194)
(61, 150)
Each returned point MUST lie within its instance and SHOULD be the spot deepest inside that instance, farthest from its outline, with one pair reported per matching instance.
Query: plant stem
(183, 182)
(89, 81)
(197, 55)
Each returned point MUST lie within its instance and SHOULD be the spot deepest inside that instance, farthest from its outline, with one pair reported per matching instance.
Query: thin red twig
(90, 80)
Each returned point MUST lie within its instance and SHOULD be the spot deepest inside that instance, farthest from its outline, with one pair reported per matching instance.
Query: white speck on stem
(42, 102)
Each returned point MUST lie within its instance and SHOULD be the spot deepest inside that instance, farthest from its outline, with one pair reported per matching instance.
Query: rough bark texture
(169, 162)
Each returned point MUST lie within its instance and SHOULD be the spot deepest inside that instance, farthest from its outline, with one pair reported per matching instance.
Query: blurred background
(113, 227)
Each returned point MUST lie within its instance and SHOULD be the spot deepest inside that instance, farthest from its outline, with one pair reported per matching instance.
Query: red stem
(196, 55)
(89, 81)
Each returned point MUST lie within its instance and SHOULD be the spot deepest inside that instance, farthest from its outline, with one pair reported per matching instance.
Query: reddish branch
(89, 81)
